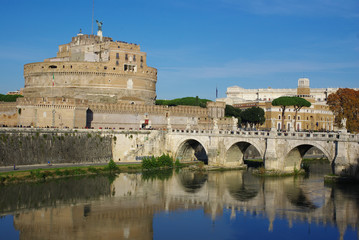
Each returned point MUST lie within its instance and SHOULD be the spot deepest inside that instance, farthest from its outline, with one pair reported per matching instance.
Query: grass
(37, 175)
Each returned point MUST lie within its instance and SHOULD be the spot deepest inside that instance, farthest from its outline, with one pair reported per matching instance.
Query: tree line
(9, 98)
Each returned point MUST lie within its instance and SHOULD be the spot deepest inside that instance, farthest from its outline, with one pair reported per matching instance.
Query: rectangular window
(117, 63)
(141, 58)
(117, 56)
(134, 58)
(126, 57)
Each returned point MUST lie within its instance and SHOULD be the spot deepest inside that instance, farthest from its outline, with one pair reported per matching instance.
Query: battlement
(84, 68)
(150, 109)
(51, 101)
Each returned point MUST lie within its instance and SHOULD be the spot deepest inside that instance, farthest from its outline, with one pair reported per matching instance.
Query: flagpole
(93, 11)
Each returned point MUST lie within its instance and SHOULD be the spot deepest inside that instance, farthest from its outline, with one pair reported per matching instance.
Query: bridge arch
(242, 186)
(192, 149)
(192, 182)
(295, 155)
(235, 152)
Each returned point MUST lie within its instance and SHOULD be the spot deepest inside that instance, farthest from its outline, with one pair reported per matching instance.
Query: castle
(95, 82)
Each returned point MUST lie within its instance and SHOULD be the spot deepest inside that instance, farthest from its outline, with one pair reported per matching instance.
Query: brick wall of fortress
(94, 81)
(76, 113)
(8, 114)
(132, 116)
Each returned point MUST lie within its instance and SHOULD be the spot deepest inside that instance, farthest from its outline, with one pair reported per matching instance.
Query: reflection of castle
(128, 212)
(97, 82)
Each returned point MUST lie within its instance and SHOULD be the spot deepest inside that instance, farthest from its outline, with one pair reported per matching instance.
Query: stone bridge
(280, 151)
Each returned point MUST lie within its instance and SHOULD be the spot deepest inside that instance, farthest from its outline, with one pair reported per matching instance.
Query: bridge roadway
(279, 150)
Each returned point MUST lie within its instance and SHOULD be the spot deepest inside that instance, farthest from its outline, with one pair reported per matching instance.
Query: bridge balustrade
(295, 135)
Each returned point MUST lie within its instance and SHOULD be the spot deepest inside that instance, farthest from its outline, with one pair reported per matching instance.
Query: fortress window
(126, 56)
(63, 66)
(117, 56)
(128, 67)
(141, 65)
(52, 66)
(134, 58)
(117, 63)
(141, 58)
(105, 67)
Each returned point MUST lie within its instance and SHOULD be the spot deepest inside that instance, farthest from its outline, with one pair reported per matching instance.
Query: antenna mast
(93, 10)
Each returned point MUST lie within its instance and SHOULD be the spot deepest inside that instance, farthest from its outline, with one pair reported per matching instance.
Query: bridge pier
(270, 158)
(346, 160)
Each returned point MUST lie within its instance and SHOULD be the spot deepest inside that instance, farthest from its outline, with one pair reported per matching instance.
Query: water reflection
(192, 182)
(97, 208)
(242, 186)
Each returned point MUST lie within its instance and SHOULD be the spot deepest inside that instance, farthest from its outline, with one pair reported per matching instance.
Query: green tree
(253, 116)
(9, 98)
(231, 111)
(283, 102)
(299, 103)
(189, 101)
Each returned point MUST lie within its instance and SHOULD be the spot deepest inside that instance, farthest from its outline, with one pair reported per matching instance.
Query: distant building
(17, 92)
(316, 117)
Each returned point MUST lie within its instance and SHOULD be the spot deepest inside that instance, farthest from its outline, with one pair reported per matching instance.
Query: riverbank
(37, 173)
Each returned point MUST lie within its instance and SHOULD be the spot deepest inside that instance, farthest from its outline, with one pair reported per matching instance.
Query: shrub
(149, 162)
(164, 161)
(111, 166)
(178, 164)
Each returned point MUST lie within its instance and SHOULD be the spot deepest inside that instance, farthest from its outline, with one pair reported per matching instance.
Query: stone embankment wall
(28, 146)
(38, 146)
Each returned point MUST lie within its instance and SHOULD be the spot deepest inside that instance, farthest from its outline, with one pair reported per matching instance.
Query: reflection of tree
(243, 187)
(192, 181)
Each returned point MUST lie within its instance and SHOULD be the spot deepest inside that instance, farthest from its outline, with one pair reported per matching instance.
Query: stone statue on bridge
(99, 25)
(344, 123)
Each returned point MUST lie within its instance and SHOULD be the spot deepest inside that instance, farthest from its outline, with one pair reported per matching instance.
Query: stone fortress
(95, 82)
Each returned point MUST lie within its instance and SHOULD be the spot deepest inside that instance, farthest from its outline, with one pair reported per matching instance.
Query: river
(180, 205)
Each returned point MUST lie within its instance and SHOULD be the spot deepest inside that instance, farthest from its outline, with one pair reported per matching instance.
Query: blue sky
(197, 45)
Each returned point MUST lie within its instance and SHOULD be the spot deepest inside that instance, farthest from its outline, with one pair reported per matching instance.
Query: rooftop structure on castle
(96, 69)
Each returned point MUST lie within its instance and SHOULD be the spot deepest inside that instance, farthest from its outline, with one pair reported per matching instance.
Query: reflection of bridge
(281, 151)
(127, 213)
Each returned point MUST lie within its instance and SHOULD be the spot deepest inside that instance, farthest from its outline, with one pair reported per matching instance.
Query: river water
(180, 205)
